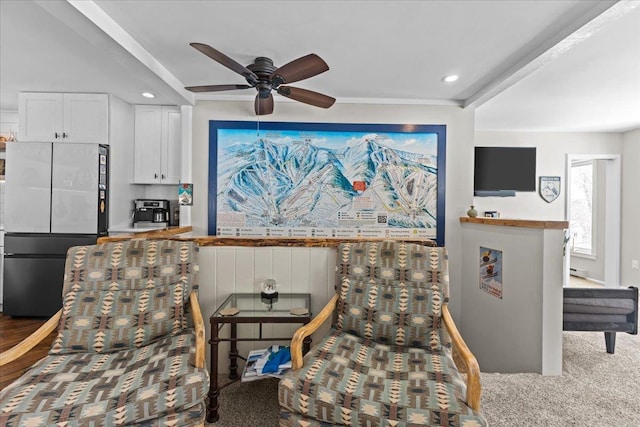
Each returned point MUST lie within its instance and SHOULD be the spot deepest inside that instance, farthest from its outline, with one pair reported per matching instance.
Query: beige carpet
(596, 389)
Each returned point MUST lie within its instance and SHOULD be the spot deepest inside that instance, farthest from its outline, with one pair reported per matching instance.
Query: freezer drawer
(32, 286)
(45, 244)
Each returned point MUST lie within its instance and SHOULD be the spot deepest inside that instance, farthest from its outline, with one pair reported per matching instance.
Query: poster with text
(326, 183)
(491, 271)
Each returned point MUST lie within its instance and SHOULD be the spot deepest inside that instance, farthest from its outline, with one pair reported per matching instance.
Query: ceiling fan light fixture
(148, 95)
(450, 78)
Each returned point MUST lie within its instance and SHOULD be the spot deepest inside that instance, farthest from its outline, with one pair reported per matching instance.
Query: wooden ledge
(257, 242)
(526, 223)
(154, 234)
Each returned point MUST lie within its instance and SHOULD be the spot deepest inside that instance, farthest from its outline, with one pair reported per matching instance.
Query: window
(583, 207)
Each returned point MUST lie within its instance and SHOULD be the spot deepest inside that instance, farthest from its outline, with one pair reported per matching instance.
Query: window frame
(584, 252)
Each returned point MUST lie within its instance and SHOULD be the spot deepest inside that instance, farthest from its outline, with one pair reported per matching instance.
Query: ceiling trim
(581, 29)
(104, 22)
(343, 100)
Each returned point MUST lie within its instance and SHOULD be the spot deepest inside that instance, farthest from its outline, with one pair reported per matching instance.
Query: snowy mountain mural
(288, 180)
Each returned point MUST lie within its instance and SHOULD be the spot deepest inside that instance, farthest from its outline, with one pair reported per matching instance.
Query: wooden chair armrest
(198, 323)
(469, 360)
(306, 330)
(31, 341)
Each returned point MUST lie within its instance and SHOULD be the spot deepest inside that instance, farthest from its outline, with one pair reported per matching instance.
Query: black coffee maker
(151, 212)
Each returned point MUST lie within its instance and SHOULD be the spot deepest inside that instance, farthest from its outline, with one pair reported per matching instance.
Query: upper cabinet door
(40, 117)
(86, 118)
(68, 117)
(171, 147)
(147, 150)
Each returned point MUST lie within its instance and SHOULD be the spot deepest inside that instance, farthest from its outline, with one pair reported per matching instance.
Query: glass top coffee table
(250, 308)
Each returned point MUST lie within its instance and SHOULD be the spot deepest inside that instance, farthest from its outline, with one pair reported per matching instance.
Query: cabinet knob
(57, 135)
(162, 176)
(155, 175)
(64, 134)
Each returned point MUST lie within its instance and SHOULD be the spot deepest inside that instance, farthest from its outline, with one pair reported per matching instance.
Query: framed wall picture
(2, 168)
(326, 180)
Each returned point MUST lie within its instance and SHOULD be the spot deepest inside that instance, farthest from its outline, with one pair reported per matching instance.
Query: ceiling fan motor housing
(262, 67)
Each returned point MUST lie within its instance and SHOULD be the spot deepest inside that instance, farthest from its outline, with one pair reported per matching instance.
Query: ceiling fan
(265, 77)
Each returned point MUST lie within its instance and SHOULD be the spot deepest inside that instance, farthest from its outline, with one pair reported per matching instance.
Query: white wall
(630, 207)
(552, 150)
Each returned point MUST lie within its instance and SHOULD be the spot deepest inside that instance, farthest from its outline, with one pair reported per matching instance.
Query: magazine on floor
(273, 361)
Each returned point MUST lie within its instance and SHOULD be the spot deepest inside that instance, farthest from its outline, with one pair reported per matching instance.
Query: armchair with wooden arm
(386, 359)
(131, 323)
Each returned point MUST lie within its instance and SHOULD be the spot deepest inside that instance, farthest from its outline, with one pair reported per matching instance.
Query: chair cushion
(120, 388)
(392, 263)
(103, 321)
(348, 380)
(390, 314)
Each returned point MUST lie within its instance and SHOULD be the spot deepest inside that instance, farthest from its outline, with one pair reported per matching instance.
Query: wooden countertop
(152, 234)
(174, 233)
(526, 223)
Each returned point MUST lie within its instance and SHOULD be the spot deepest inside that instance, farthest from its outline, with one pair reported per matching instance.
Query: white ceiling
(524, 65)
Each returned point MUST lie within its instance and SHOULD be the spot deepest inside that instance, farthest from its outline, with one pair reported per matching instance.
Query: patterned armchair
(388, 359)
(129, 348)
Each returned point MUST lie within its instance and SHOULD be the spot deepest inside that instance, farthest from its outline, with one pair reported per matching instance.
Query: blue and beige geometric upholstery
(125, 349)
(387, 359)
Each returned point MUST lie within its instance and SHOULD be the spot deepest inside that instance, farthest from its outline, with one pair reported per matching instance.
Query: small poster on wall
(185, 194)
(491, 271)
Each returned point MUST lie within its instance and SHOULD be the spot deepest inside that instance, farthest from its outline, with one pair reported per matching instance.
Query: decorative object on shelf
(549, 188)
(269, 294)
(491, 214)
(472, 212)
(185, 194)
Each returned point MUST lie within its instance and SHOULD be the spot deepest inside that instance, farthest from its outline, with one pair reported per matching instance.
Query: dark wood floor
(12, 331)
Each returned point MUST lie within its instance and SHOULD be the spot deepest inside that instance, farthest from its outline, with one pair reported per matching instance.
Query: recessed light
(148, 95)
(450, 79)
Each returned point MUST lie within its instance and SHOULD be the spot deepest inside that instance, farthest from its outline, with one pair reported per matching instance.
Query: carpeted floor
(596, 389)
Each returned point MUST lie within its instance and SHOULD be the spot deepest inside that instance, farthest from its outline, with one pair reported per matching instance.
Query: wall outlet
(635, 264)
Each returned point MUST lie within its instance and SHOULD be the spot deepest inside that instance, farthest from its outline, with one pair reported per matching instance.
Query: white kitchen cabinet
(63, 117)
(157, 144)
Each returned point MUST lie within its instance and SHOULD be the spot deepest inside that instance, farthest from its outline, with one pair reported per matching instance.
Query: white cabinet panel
(157, 145)
(74, 188)
(86, 118)
(63, 117)
(147, 153)
(171, 147)
(40, 117)
(28, 186)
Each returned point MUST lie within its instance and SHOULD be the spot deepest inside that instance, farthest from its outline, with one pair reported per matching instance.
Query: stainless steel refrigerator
(56, 196)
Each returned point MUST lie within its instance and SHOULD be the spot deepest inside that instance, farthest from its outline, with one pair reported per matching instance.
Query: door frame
(613, 211)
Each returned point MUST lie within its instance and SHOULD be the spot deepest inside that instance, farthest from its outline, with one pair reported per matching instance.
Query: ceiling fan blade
(263, 106)
(223, 59)
(216, 88)
(307, 96)
(299, 69)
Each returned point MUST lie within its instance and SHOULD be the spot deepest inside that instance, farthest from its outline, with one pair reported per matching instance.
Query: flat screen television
(501, 171)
